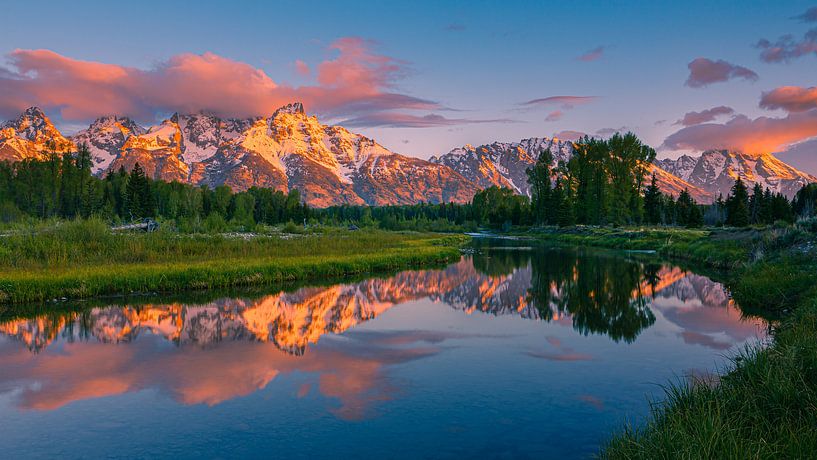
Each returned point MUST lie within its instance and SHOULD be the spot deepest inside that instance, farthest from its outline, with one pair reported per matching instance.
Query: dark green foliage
(602, 295)
(62, 186)
(540, 180)
(652, 203)
(138, 198)
(737, 205)
(500, 207)
(687, 213)
(805, 202)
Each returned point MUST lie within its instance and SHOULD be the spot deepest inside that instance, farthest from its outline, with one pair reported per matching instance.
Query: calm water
(509, 353)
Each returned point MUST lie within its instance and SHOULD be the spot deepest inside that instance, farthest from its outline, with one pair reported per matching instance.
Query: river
(515, 351)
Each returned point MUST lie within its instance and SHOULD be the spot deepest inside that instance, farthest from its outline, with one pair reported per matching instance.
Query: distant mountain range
(705, 177)
(330, 165)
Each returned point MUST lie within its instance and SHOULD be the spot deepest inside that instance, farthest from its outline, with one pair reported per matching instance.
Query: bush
(808, 224)
(292, 227)
(215, 223)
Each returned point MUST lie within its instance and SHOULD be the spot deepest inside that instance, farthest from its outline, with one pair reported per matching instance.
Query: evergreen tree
(539, 178)
(652, 202)
(805, 201)
(688, 212)
(756, 204)
(737, 205)
(138, 198)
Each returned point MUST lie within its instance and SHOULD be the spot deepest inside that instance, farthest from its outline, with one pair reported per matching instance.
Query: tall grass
(765, 405)
(83, 259)
(701, 246)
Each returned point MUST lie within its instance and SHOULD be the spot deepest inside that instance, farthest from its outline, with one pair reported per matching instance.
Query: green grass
(765, 403)
(85, 259)
(707, 247)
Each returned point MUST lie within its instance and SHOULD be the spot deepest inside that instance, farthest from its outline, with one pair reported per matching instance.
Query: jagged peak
(34, 112)
(108, 120)
(294, 108)
(33, 122)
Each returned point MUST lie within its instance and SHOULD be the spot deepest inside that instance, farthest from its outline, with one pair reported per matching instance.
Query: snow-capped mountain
(328, 164)
(716, 170)
(105, 138)
(31, 135)
(504, 164)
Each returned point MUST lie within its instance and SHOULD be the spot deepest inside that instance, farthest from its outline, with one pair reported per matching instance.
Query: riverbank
(85, 259)
(765, 404)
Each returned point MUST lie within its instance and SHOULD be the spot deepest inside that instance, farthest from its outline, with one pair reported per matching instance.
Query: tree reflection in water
(602, 294)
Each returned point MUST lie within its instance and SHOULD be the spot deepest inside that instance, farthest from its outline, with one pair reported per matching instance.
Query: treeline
(602, 184)
(62, 186)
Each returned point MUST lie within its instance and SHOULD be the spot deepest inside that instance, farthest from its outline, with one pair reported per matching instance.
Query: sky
(423, 78)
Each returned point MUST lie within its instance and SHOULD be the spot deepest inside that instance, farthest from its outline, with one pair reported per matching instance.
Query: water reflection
(230, 347)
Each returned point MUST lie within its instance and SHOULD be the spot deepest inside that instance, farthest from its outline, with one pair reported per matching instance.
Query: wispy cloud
(302, 68)
(810, 15)
(405, 120)
(695, 118)
(565, 102)
(454, 27)
(607, 132)
(592, 55)
(787, 48)
(703, 72)
(556, 115)
(569, 135)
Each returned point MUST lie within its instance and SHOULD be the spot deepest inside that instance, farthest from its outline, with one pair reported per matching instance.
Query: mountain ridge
(331, 165)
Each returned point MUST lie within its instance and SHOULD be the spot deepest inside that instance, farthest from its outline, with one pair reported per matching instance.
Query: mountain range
(330, 165)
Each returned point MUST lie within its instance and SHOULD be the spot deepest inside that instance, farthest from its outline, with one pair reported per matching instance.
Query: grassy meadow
(83, 259)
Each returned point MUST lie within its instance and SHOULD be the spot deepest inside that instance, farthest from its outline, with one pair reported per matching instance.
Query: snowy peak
(31, 135)
(715, 171)
(295, 108)
(329, 165)
(105, 138)
(503, 164)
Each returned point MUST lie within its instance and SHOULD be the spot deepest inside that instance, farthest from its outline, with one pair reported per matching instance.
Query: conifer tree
(539, 178)
(737, 205)
(652, 202)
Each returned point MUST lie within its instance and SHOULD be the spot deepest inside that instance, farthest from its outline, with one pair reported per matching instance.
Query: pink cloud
(759, 135)
(356, 80)
(607, 132)
(703, 72)
(787, 48)
(566, 102)
(569, 135)
(696, 118)
(554, 116)
(790, 99)
(302, 68)
(592, 55)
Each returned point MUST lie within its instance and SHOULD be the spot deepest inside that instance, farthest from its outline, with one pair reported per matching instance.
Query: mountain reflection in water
(222, 349)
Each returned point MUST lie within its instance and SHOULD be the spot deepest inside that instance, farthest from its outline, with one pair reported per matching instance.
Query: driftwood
(146, 225)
